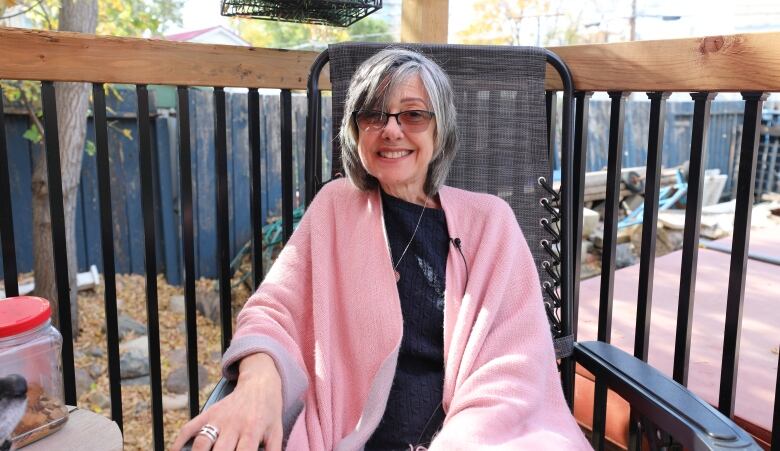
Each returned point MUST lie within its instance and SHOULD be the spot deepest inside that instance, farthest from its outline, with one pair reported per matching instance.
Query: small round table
(85, 430)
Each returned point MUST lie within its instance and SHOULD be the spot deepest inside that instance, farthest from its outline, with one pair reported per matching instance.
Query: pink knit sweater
(329, 314)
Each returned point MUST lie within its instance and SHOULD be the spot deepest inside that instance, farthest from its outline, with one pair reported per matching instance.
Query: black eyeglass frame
(397, 116)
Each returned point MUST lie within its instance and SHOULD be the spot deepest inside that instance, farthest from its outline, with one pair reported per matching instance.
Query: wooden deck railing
(734, 63)
(748, 63)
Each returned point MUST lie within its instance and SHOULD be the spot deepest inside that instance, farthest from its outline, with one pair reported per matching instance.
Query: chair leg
(599, 415)
(634, 433)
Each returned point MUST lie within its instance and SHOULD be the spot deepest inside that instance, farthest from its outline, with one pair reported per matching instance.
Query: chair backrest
(502, 128)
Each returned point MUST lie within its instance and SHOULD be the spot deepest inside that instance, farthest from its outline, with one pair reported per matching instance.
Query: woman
(374, 329)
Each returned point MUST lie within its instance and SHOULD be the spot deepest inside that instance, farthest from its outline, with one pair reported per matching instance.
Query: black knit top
(413, 413)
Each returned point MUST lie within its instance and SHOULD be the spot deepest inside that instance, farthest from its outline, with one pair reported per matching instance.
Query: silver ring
(209, 431)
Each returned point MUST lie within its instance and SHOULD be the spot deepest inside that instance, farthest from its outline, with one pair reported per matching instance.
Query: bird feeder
(340, 13)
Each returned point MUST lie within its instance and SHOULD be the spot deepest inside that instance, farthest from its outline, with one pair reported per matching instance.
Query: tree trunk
(72, 104)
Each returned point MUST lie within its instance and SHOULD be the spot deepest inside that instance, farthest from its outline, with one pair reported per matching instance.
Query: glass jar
(30, 347)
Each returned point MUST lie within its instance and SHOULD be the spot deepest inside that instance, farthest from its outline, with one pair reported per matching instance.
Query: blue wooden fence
(723, 139)
(723, 143)
(123, 156)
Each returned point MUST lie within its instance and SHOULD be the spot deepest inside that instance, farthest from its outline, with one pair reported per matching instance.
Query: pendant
(397, 276)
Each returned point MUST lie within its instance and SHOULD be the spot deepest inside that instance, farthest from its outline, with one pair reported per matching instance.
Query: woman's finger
(274, 436)
(249, 440)
(203, 443)
(227, 440)
(188, 430)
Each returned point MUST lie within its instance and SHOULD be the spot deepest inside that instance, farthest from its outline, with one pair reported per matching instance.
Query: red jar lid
(22, 313)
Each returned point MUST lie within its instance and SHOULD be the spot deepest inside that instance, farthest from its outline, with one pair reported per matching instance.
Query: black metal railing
(147, 184)
(107, 246)
(188, 245)
(6, 217)
(746, 183)
(739, 256)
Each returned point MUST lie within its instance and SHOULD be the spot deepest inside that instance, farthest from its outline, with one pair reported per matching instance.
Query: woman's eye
(414, 115)
(370, 117)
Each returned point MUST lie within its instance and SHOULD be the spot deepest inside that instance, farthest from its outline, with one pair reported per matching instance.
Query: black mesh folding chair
(505, 149)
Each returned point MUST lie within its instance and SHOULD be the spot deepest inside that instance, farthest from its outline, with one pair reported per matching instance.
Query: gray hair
(373, 81)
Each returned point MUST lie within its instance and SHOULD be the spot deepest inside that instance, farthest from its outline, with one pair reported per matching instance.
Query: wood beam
(62, 56)
(742, 62)
(733, 63)
(425, 21)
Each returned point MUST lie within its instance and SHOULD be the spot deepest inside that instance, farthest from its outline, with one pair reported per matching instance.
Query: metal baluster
(649, 222)
(255, 194)
(614, 166)
(59, 248)
(223, 233)
(10, 273)
(188, 245)
(107, 247)
(580, 159)
(618, 100)
(647, 255)
(599, 415)
(754, 102)
(579, 148)
(682, 343)
(285, 112)
(150, 263)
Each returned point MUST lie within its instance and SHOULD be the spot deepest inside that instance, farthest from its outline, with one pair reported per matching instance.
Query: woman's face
(399, 158)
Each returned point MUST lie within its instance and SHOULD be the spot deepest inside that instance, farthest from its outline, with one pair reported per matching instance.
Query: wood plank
(264, 163)
(194, 165)
(62, 56)
(740, 62)
(240, 172)
(761, 320)
(20, 162)
(299, 108)
(273, 155)
(88, 210)
(205, 179)
(120, 184)
(424, 21)
(166, 177)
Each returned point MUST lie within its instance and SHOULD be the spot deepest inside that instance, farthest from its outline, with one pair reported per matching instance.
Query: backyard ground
(90, 351)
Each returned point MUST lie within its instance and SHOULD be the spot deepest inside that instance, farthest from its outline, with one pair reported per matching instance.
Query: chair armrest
(672, 407)
(223, 388)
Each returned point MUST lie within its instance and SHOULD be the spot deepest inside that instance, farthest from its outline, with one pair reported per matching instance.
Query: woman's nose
(392, 129)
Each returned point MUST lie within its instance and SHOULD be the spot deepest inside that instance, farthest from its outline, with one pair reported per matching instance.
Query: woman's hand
(250, 415)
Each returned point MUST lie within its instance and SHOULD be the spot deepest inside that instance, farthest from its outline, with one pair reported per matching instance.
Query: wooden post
(424, 21)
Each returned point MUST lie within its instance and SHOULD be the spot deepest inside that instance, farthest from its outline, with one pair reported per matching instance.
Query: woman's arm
(275, 319)
(265, 358)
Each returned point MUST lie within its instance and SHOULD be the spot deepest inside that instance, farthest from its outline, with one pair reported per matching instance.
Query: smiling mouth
(395, 154)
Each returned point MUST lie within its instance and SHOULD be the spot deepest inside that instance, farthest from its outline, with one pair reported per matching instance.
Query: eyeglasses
(413, 121)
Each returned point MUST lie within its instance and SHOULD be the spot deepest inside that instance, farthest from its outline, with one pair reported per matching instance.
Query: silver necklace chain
(395, 268)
